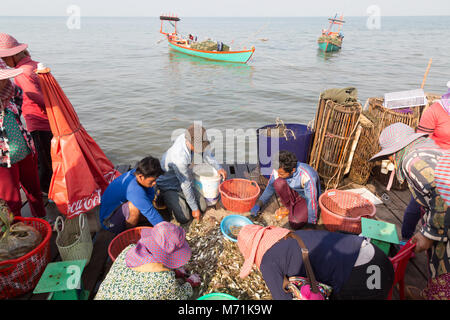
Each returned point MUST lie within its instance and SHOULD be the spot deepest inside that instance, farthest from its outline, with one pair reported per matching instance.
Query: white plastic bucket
(207, 181)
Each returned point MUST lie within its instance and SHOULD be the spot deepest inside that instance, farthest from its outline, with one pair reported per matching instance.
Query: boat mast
(169, 18)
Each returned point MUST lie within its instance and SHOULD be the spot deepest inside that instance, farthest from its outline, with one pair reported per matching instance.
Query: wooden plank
(242, 171)
(94, 270)
(231, 171)
(385, 214)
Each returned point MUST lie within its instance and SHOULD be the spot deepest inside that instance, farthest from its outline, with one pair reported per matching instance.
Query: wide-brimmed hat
(164, 243)
(394, 138)
(7, 73)
(442, 177)
(196, 135)
(9, 46)
(254, 241)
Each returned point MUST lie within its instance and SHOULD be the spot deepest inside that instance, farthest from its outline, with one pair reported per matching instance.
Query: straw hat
(9, 46)
(394, 138)
(7, 73)
(254, 241)
(164, 243)
(442, 177)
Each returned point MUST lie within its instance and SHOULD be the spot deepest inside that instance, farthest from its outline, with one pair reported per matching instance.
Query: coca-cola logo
(85, 204)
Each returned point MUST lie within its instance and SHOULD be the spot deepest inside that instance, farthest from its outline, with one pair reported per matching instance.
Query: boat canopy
(169, 18)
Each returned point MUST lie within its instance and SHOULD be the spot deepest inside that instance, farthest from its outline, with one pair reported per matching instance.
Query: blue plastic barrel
(298, 142)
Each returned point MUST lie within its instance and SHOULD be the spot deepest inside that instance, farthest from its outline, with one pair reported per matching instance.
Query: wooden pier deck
(95, 271)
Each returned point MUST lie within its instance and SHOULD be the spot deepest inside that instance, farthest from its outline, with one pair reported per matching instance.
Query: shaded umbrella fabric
(81, 171)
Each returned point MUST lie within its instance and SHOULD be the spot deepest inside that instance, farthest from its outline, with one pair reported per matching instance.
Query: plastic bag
(19, 240)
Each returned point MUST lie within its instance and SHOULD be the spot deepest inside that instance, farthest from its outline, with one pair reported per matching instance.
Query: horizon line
(350, 16)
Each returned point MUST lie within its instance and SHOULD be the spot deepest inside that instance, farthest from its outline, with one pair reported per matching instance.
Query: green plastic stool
(63, 281)
(381, 233)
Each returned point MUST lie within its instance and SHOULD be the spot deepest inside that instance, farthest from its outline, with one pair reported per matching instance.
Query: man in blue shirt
(176, 185)
(298, 186)
(131, 195)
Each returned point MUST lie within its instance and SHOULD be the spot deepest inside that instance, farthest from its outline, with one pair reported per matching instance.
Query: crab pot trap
(335, 130)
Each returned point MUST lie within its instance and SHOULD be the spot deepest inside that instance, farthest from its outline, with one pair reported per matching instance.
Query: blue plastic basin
(235, 220)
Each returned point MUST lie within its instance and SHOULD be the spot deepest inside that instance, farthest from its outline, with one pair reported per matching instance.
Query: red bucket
(239, 195)
(21, 275)
(123, 240)
(343, 210)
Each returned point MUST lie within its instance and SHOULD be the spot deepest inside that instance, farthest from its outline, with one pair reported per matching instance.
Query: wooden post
(426, 73)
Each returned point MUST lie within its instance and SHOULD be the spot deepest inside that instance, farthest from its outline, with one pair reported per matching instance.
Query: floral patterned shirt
(124, 283)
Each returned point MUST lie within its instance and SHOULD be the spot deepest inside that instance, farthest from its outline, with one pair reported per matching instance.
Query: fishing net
(332, 40)
(208, 45)
(16, 239)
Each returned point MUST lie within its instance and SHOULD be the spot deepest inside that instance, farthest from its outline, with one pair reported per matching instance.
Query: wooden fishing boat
(186, 45)
(331, 41)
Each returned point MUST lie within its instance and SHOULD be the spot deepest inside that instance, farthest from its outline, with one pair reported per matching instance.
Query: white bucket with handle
(207, 181)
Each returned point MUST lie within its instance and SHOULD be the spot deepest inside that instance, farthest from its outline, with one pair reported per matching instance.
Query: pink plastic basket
(343, 210)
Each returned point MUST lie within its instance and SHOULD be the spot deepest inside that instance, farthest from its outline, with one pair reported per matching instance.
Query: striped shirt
(419, 167)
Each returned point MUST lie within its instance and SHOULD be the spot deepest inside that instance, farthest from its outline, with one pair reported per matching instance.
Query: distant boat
(207, 50)
(331, 41)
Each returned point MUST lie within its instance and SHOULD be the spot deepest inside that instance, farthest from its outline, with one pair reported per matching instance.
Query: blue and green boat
(218, 52)
(331, 41)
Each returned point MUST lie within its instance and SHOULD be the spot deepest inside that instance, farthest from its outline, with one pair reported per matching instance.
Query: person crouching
(298, 186)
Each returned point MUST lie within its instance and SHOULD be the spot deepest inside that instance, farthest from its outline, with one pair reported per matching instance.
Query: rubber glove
(180, 272)
(194, 280)
(255, 210)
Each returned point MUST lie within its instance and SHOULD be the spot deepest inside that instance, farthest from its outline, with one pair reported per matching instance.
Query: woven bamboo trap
(335, 127)
(361, 167)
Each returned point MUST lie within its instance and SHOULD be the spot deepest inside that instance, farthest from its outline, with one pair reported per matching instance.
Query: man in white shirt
(177, 183)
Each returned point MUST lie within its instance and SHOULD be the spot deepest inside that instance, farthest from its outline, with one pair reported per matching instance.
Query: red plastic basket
(123, 240)
(343, 210)
(239, 195)
(18, 276)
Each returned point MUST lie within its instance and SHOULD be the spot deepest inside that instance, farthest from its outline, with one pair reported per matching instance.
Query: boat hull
(328, 46)
(225, 56)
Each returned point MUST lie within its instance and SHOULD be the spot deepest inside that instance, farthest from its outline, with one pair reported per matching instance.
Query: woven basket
(365, 149)
(382, 118)
(335, 131)
(343, 210)
(74, 240)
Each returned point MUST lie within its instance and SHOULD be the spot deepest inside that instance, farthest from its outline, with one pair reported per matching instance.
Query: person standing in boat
(298, 186)
(416, 159)
(177, 184)
(16, 55)
(18, 163)
(131, 195)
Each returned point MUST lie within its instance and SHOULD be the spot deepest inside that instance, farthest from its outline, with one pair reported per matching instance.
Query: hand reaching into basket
(196, 214)
(194, 280)
(255, 211)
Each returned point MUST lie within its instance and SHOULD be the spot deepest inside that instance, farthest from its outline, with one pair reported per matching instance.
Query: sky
(228, 8)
